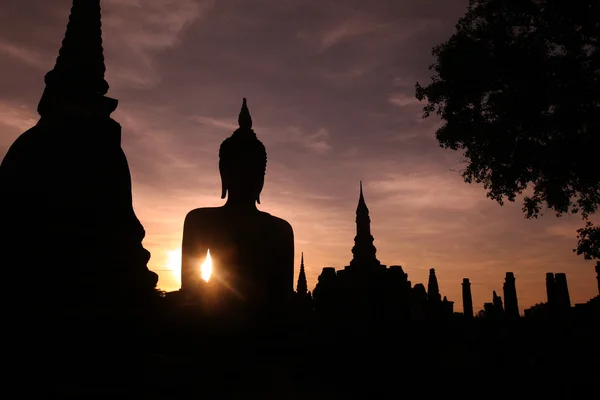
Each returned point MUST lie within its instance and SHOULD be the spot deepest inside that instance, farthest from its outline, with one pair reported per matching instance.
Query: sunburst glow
(206, 267)
(173, 262)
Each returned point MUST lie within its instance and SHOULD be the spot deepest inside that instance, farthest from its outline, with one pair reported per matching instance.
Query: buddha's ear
(262, 185)
(223, 189)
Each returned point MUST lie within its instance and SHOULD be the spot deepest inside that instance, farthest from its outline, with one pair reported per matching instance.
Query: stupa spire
(79, 69)
(362, 205)
(363, 250)
(245, 120)
(302, 286)
(433, 289)
(363, 221)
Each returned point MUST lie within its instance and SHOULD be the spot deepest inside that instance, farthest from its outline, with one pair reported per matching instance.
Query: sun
(206, 267)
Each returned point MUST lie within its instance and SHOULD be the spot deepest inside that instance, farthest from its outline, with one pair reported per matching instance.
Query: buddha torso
(252, 253)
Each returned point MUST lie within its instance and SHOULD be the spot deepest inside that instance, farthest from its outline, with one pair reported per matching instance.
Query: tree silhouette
(589, 241)
(518, 89)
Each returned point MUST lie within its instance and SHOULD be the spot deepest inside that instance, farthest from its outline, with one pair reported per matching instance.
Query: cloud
(290, 139)
(423, 191)
(346, 77)
(403, 100)
(22, 54)
(138, 30)
(15, 119)
(346, 30)
(316, 142)
(19, 117)
(225, 124)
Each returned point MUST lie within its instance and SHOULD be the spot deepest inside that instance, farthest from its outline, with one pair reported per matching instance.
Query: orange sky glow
(330, 86)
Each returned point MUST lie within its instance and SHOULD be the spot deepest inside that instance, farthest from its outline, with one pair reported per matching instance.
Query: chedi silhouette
(70, 234)
(252, 251)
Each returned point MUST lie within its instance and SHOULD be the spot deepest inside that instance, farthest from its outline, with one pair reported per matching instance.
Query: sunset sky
(330, 86)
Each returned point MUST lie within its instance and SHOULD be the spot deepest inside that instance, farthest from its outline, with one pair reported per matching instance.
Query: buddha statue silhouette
(252, 251)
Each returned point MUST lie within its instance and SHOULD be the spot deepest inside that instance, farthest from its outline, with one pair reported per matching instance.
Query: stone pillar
(562, 292)
(511, 304)
(467, 298)
(497, 301)
(551, 291)
(433, 289)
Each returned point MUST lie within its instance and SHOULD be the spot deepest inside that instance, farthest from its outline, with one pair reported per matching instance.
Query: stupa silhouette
(70, 234)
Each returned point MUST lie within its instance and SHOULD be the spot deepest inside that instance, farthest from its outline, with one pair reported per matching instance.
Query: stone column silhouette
(497, 301)
(434, 299)
(551, 291)
(511, 304)
(433, 290)
(467, 298)
(562, 292)
(72, 235)
(598, 275)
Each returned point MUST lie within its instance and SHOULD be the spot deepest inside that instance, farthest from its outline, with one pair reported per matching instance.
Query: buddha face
(244, 184)
(242, 165)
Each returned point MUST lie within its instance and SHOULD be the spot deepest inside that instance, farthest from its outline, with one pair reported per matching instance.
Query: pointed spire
(78, 75)
(80, 64)
(363, 250)
(302, 286)
(362, 205)
(245, 120)
(362, 198)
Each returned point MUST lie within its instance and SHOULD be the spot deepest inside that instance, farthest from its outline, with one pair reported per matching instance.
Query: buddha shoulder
(203, 215)
(279, 224)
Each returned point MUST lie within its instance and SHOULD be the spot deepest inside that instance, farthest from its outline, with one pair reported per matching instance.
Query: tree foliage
(589, 241)
(518, 89)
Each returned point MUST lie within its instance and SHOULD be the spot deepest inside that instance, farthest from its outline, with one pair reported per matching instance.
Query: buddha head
(243, 161)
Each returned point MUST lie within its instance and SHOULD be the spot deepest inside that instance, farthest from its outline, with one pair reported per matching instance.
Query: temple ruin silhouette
(368, 288)
(70, 234)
